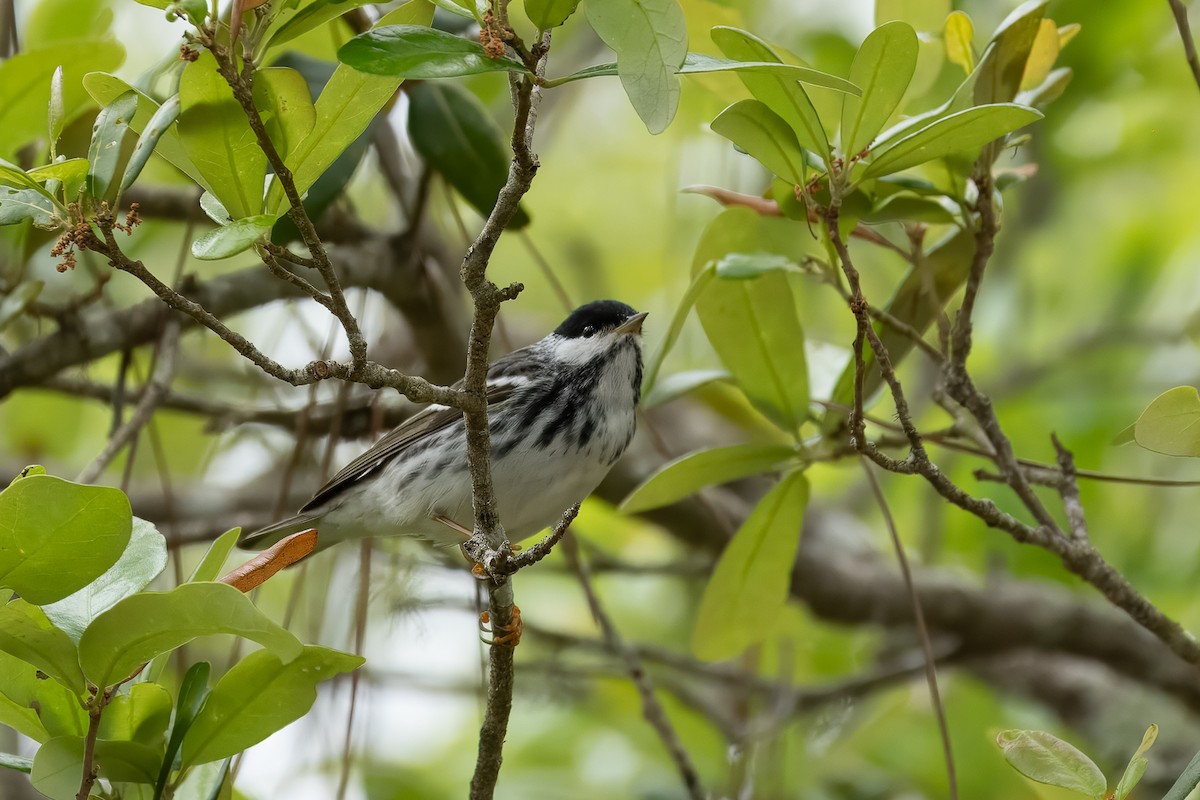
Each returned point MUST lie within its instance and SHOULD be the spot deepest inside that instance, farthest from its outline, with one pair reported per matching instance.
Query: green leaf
(143, 559)
(58, 765)
(15, 302)
(650, 40)
(40, 709)
(19, 763)
(675, 386)
(104, 153)
(765, 136)
(68, 170)
(1137, 765)
(909, 208)
(258, 696)
(26, 80)
(56, 537)
(699, 282)
(456, 137)
(1051, 89)
(690, 473)
(1188, 780)
(26, 633)
(311, 17)
(882, 68)
(65, 23)
(966, 131)
(1042, 55)
(740, 266)
(1000, 71)
(959, 36)
(346, 106)
(105, 88)
(281, 95)
(158, 125)
(781, 94)
(749, 585)
(233, 238)
(924, 15)
(56, 112)
(418, 51)
(1047, 759)
(1169, 424)
(18, 205)
(218, 138)
(547, 14)
(141, 716)
(144, 625)
(209, 568)
(700, 64)
(192, 694)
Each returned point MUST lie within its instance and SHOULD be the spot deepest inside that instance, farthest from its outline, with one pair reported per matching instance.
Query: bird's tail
(265, 537)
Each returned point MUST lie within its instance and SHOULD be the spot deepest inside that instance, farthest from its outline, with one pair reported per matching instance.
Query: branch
(1185, 33)
(652, 710)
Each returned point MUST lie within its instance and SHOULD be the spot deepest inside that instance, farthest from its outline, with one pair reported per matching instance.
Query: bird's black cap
(599, 315)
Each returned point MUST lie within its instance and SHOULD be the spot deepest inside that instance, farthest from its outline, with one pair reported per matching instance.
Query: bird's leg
(512, 632)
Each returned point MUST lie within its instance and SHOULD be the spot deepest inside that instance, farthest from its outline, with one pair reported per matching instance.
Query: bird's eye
(589, 331)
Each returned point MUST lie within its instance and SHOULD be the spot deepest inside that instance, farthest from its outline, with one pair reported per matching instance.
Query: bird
(561, 413)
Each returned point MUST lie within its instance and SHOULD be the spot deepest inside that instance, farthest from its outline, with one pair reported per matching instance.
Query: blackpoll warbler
(561, 412)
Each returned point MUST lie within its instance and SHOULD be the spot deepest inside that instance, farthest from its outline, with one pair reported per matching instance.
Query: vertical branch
(1185, 33)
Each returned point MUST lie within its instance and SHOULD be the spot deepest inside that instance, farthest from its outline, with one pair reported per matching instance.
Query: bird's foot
(511, 633)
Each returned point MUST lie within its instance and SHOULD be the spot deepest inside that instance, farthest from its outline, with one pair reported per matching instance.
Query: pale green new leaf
(690, 473)
(650, 40)
(1045, 758)
(1171, 423)
(882, 68)
(236, 237)
(749, 584)
(547, 14)
(1000, 71)
(56, 112)
(281, 95)
(209, 568)
(1137, 765)
(765, 136)
(144, 625)
(958, 34)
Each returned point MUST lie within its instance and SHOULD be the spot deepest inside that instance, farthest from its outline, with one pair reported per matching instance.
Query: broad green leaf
(882, 68)
(699, 281)
(924, 15)
(68, 170)
(27, 634)
(699, 64)
(56, 537)
(763, 135)
(907, 207)
(311, 17)
(959, 37)
(547, 14)
(675, 386)
(1047, 759)
(143, 559)
(1042, 55)
(207, 781)
(19, 763)
(346, 106)
(64, 23)
(58, 765)
(209, 568)
(14, 176)
(650, 40)
(749, 585)
(418, 51)
(455, 135)
(40, 709)
(192, 694)
(966, 131)
(144, 625)
(158, 125)
(105, 88)
(15, 302)
(104, 153)
(233, 238)
(690, 473)
(740, 266)
(56, 112)
(918, 300)
(141, 716)
(281, 95)
(258, 696)
(1137, 765)
(18, 205)
(781, 94)
(1171, 423)
(218, 138)
(25, 87)
(1001, 70)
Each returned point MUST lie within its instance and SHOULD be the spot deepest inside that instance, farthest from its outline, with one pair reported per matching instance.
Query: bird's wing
(505, 377)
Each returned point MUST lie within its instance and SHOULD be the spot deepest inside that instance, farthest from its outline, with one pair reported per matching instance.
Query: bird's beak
(633, 324)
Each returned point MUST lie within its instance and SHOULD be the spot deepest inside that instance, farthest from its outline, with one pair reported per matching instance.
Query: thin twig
(1185, 33)
(1068, 488)
(935, 694)
(542, 549)
(652, 710)
(100, 699)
